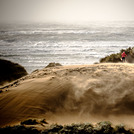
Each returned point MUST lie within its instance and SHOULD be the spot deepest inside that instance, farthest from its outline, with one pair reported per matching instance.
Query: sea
(36, 45)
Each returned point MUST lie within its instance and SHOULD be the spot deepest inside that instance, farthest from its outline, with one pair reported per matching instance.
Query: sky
(67, 11)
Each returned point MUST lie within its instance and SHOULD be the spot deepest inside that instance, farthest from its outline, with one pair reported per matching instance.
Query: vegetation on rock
(104, 127)
(53, 64)
(117, 57)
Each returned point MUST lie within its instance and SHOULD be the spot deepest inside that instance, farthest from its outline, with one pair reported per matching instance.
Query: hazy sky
(66, 10)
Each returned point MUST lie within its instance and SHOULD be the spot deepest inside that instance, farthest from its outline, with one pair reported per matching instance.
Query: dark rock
(29, 122)
(44, 121)
(20, 129)
(10, 71)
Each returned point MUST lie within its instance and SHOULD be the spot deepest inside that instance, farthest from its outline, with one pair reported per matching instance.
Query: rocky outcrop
(10, 71)
(117, 57)
(53, 64)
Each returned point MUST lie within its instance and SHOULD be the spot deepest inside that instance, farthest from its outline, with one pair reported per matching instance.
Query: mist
(66, 11)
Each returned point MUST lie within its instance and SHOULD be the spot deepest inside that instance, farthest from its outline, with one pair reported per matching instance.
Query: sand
(71, 94)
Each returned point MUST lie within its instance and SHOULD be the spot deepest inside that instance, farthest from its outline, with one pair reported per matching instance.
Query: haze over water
(37, 32)
(36, 45)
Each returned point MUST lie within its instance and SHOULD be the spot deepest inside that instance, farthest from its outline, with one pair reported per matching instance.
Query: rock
(53, 64)
(10, 71)
(29, 122)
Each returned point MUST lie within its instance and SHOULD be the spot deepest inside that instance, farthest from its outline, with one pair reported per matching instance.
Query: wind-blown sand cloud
(69, 94)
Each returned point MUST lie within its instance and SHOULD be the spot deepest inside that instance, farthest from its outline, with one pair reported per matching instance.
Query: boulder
(53, 64)
(10, 71)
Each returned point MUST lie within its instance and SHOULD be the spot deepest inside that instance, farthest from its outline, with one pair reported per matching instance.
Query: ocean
(36, 45)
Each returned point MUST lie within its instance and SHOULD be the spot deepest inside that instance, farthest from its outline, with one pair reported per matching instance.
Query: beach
(67, 67)
(71, 94)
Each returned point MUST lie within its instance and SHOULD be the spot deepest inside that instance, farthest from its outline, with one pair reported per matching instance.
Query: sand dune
(67, 94)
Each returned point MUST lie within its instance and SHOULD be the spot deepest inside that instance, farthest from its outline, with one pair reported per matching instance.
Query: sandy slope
(83, 93)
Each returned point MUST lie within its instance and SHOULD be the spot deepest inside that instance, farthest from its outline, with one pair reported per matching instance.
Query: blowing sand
(72, 94)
